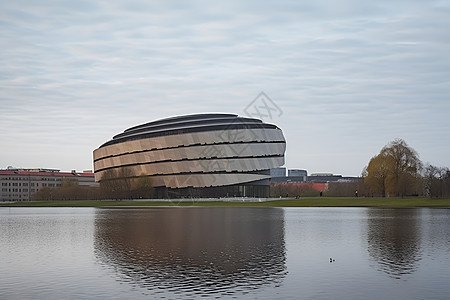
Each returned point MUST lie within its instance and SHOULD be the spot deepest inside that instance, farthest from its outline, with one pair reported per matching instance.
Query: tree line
(69, 190)
(114, 184)
(122, 184)
(333, 189)
(398, 171)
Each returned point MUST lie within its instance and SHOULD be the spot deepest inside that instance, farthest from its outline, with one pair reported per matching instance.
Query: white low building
(22, 184)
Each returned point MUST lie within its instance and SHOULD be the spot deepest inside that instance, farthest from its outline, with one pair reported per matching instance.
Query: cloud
(349, 76)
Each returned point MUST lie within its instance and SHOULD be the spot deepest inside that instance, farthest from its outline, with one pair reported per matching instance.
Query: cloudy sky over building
(343, 77)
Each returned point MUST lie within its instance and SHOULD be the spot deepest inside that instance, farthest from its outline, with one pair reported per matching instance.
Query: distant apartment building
(22, 184)
(278, 175)
(297, 175)
(278, 172)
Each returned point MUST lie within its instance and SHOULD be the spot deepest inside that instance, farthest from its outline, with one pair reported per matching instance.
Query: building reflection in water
(393, 238)
(193, 251)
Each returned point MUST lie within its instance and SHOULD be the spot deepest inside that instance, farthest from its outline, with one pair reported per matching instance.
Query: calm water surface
(244, 253)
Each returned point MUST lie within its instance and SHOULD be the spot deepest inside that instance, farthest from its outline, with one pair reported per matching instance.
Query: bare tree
(143, 187)
(436, 181)
(107, 184)
(117, 184)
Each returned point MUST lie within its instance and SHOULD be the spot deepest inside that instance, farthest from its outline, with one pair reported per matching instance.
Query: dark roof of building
(187, 124)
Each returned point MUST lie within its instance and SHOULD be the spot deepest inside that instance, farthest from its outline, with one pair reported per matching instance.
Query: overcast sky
(344, 77)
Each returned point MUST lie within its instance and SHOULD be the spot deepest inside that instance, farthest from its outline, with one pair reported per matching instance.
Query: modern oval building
(201, 155)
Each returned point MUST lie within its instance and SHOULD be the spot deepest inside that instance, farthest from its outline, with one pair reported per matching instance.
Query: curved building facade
(202, 155)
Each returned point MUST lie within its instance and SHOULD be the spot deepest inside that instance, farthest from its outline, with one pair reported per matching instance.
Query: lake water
(234, 252)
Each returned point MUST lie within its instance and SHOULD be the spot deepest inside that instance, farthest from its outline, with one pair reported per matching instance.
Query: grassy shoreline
(303, 202)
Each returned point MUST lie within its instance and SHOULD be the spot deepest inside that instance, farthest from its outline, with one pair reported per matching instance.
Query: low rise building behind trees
(19, 184)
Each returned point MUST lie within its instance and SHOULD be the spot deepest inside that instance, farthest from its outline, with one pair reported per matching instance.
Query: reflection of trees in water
(394, 240)
(193, 251)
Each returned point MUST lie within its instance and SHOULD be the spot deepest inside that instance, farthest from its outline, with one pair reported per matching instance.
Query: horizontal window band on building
(188, 146)
(200, 125)
(185, 124)
(226, 127)
(190, 159)
(257, 172)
